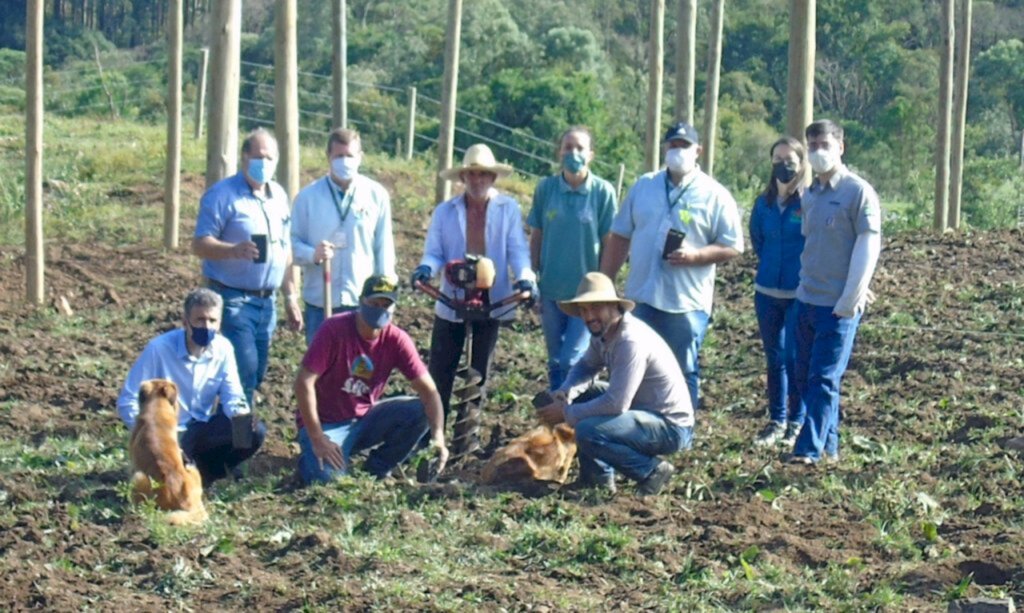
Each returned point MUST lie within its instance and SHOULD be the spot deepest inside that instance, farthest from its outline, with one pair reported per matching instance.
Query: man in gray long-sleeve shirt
(644, 412)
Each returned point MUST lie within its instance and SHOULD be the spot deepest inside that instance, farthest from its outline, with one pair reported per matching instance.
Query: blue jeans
(249, 322)
(628, 443)
(776, 318)
(684, 333)
(209, 445)
(394, 426)
(313, 316)
(566, 338)
(824, 345)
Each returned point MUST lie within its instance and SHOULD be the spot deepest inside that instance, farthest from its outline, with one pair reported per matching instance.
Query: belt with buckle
(258, 293)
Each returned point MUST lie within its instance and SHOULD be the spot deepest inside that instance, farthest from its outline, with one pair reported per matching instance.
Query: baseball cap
(684, 131)
(380, 286)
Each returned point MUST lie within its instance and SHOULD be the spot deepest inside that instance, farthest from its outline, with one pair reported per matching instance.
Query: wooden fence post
(172, 174)
(34, 264)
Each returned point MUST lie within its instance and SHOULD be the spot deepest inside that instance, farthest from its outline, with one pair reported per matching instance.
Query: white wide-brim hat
(594, 287)
(477, 157)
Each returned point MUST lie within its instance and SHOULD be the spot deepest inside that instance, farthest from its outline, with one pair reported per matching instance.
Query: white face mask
(681, 160)
(823, 160)
(345, 168)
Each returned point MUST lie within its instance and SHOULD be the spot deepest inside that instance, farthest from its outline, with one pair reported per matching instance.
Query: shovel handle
(328, 307)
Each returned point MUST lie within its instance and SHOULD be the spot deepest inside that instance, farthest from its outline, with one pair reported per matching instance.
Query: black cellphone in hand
(241, 431)
(673, 241)
(261, 244)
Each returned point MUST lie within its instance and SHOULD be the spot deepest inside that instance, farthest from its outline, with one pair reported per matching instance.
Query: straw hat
(595, 287)
(477, 157)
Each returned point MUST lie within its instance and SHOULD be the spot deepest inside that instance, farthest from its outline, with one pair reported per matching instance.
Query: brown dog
(542, 454)
(160, 471)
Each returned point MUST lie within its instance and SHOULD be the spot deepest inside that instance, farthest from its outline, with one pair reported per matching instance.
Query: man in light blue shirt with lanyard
(243, 236)
(202, 364)
(675, 224)
(344, 217)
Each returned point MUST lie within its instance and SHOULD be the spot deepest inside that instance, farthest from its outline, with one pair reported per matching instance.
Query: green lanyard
(347, 196)
(668, 191)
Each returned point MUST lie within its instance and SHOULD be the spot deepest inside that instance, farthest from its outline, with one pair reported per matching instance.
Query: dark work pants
(446, 343)
(208, 444)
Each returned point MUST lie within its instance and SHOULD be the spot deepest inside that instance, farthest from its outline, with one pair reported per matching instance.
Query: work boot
(657, 480)
(772, 433)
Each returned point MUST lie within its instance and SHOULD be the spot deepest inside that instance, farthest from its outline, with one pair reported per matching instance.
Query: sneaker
(657, 480)
(792, 431)
(770, 434)
(799, 460)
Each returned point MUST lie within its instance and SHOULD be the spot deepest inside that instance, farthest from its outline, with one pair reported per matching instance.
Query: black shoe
(657, 480)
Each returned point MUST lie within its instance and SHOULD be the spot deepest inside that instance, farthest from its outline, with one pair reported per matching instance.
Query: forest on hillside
(540, 65)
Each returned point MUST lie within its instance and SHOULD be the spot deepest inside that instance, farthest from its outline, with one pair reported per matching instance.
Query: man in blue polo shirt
(243, 236)
(344, 217)
(202, 364)
(842, 225)
(570, 218)
(675, 224)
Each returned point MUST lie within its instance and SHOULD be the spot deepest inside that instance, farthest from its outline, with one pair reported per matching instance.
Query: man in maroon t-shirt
(341, 380)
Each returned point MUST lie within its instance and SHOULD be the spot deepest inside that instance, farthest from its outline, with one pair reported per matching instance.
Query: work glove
(526, 285)
(421, 274)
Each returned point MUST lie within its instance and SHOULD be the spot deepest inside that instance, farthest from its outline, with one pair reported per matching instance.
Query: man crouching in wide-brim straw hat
(480, 221)
(645, 409)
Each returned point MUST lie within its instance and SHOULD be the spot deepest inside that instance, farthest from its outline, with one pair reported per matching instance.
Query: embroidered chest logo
(358, 382)
(685, 216)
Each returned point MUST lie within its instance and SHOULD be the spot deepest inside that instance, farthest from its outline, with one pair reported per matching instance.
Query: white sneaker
(770, 434)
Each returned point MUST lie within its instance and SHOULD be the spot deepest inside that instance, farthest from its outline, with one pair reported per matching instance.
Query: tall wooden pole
(225, 55)
(800, 90)
(656, 62)
(410, 132)
(339, 63)
(172, 176)
(286, 95)
(686, 59)
(963, 65)
(711, 95)
(941, 221)
(34, 264)
(446, 138)
(204, 64)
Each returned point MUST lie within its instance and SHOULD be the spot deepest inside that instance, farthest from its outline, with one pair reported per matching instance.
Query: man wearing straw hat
(344, 217)
(642, 413)
(480, 221)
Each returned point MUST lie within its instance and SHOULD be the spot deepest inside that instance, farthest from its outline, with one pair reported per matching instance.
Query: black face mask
(782, 172)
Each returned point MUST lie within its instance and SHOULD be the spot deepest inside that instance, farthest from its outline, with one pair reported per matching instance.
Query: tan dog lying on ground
(160, 471)
(542, 454)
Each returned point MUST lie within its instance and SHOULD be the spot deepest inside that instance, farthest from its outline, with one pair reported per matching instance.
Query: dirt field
(934, 390)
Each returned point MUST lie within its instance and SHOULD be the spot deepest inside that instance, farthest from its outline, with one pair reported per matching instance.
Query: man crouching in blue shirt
(202, 364)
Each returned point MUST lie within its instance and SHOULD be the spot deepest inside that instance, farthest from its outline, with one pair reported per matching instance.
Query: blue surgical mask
(261, 170)
(203, 336)
(345, 168)
(376, 317)
(574, 162)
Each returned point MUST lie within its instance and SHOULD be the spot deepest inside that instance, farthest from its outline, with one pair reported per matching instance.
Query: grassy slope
(733, 533)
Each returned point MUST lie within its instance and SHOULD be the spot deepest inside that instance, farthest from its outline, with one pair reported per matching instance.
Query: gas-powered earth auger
(471, 280)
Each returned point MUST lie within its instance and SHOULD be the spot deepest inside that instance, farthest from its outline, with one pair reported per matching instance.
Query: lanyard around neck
(668, 191)
(348, 197)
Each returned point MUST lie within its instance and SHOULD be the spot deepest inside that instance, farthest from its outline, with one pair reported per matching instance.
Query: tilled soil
(938, 357)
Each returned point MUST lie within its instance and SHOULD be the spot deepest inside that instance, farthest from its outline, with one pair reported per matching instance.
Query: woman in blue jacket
(775, 224)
